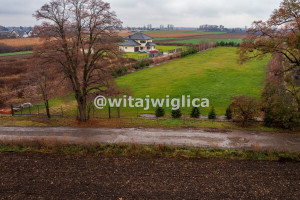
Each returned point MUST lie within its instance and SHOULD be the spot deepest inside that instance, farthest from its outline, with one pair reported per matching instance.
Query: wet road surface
(182, 137)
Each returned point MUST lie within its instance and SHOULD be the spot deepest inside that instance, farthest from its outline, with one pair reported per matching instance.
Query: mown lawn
(196, 41)
(167, 48)
(214, 74)
(137, 55)
(15, 53)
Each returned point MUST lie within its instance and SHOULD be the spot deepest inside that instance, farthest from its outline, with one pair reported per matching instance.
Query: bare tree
(80, 38)
(44, 80)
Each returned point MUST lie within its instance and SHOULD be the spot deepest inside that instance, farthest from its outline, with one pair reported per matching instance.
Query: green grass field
(137, 56)
(167, 48)
(196, 41)
(164, 38)
(213, 74)
(15, 53)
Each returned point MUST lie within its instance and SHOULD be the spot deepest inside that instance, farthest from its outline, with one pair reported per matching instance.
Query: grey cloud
(230, 13)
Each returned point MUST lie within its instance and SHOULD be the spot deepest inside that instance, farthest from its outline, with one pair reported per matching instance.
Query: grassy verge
(133, 150)
(29, 121)
(15, 53)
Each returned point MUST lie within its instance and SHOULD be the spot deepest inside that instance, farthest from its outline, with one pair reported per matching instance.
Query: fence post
(12, 110)
(119, 113)
(38, 109)
(29, 110)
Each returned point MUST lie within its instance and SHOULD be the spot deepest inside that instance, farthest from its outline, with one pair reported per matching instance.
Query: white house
(14, 34)
(25, 35)
(30, 34)
(137, 42)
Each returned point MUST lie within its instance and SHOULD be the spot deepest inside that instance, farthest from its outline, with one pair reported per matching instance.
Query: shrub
(176, 114)
(280, 97)
(195, 113)
(20, 94)
(212, 114)
(142, 64)
(280, 110)
(228, 44)
(228, 113)
(244, 109)
(189, 51)
(114, 74)
(2, 102)
(159, 112)
(147, 63)
(119, 70)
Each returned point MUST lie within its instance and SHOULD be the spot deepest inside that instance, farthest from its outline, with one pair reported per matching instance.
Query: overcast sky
(181, 13)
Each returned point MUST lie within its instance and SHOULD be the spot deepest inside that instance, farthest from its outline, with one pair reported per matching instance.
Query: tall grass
(18, 45)
(134, 150)
(21, 42)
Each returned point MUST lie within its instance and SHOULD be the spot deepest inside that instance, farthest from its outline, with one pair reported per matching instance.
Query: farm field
(21, 42)
(169, 34)
(110, 177)
(137, 56)
(159, 39)
(196, 41)
(209, 36)
(213, 74)
(157, 35)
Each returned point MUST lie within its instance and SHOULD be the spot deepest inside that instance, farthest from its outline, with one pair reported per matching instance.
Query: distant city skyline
(139, 13)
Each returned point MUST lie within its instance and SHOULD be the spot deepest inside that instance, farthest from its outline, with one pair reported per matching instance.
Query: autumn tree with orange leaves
(80, 39)
(280, 35)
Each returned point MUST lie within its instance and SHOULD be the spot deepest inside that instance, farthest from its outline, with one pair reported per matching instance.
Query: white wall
(129, 49)
(143, 44)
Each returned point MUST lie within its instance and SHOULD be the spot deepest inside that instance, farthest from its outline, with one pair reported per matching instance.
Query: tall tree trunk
(47, 109)
(46, 102)
(81, 100)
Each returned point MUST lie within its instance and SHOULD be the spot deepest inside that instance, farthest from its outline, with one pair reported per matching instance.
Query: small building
(14, 34)
(9, 34)
(137, 42)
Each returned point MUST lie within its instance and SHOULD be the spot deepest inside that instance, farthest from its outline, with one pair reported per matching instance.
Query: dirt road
(182, 137)
(43, 176)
